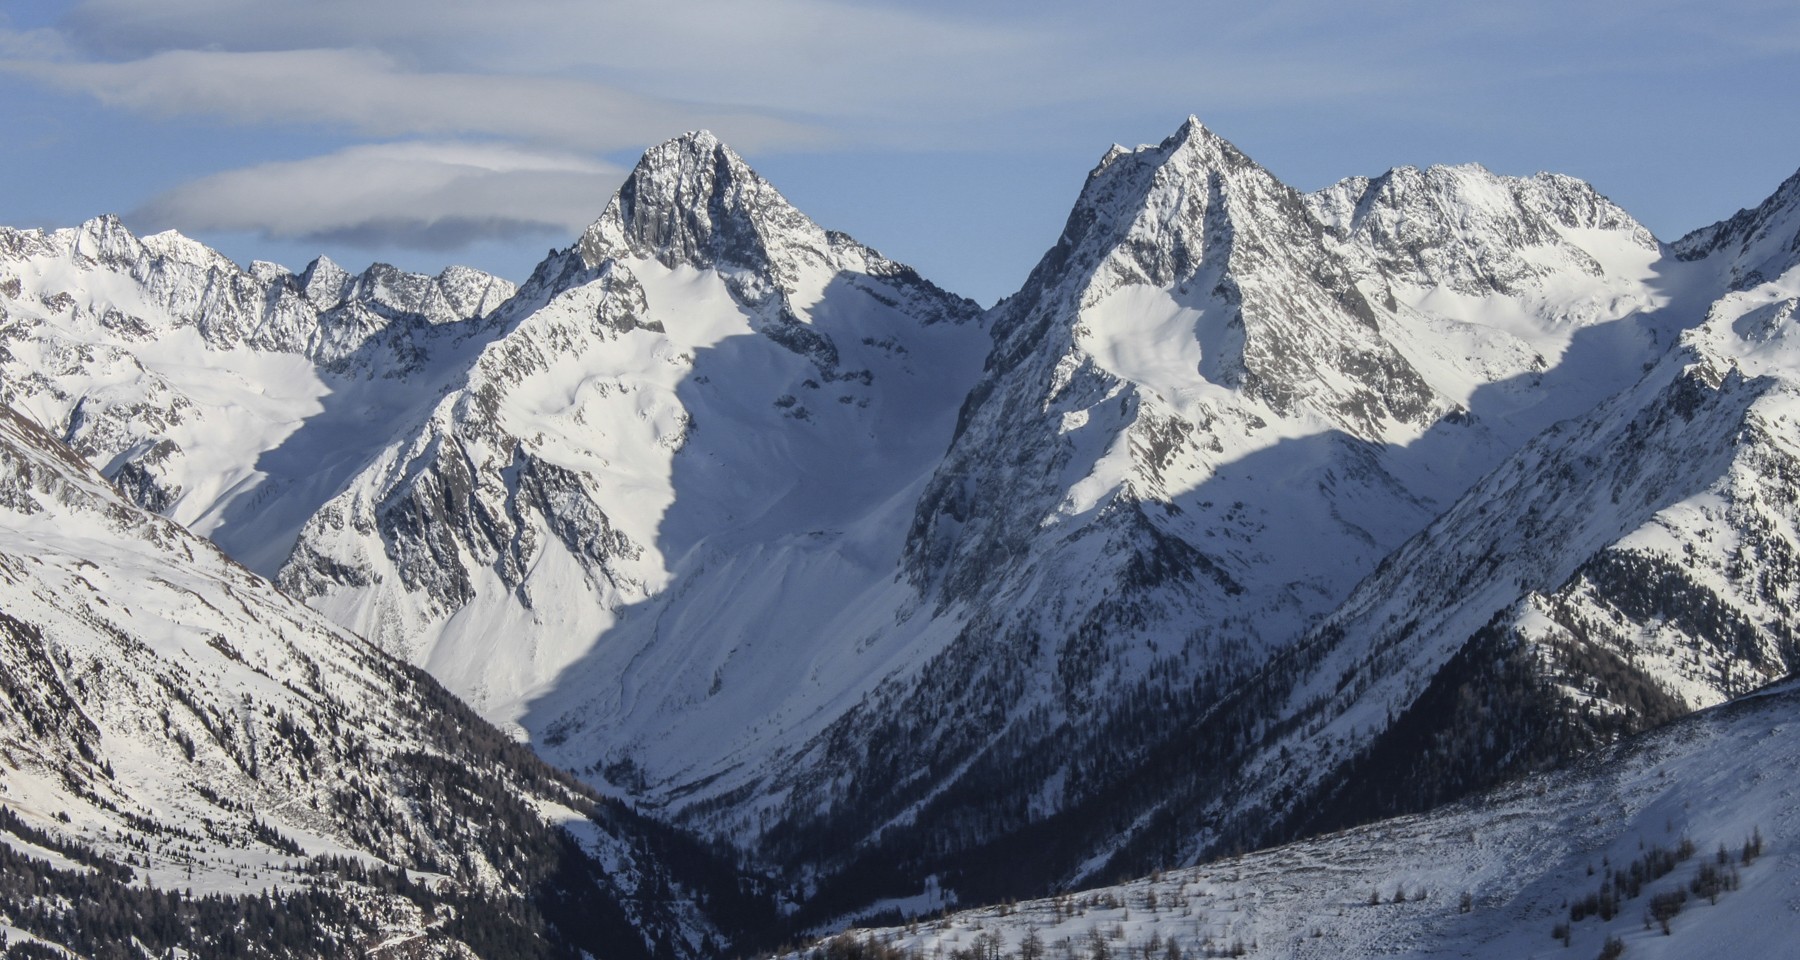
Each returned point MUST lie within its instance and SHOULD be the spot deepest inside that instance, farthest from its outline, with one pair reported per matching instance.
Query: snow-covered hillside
(1682, 843)
(1625, 567)
(171, 724)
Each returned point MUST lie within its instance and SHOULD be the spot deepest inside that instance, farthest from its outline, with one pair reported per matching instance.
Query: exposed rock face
(1754, 246)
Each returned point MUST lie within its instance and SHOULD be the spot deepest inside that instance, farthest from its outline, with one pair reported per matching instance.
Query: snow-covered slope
(1215, 408)
(170, 722)
(1754, 246)
(234, 401)
(1692, 826)
(1625, 567)
(1525, 299)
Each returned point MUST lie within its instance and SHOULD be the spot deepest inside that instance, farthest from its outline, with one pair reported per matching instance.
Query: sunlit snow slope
(660, 522)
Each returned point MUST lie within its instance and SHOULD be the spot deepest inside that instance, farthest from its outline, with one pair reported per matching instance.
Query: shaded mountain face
(1252, 514)
(170, 722)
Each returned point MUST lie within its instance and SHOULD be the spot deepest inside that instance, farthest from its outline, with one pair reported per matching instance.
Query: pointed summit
(692, 200)
(1194, 216)
(1153, 214)
(1198, 141)
(106, 239)
(325, 283)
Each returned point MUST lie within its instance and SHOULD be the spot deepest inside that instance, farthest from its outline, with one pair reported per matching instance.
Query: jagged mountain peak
(1470, 190)
(455, 294)
(1465, 194)
(324, 282)
(692, 200)
(1201, 142)
(1153, 214)
(1215, 231)
(106, 239)
(268, 271)
(177, 246)
(1193, 141)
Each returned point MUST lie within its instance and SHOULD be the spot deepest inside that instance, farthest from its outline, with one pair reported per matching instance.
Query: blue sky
(950, 136)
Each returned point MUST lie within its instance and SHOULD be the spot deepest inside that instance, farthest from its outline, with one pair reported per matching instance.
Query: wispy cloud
(366, 92)
(825, 57)
(605, 74)
(418, 195)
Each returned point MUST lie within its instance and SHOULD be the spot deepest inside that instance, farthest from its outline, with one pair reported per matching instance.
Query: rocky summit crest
(692, 200)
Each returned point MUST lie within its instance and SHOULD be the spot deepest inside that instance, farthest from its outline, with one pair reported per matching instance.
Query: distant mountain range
(1253, 515)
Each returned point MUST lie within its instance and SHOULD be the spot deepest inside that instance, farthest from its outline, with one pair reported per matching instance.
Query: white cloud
(606, 74)
(426, 196)
(1034, 80)
(810, 56)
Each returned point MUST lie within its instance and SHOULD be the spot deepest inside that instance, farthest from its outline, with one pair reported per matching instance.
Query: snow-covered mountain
(1680, 843)
(1253, 513)
(667, 505)
(234, 401)
(178, 739)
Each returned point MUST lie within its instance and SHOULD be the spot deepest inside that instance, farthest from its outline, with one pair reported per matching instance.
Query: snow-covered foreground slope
(1495, 876)
(170, 722)
(234, 401)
